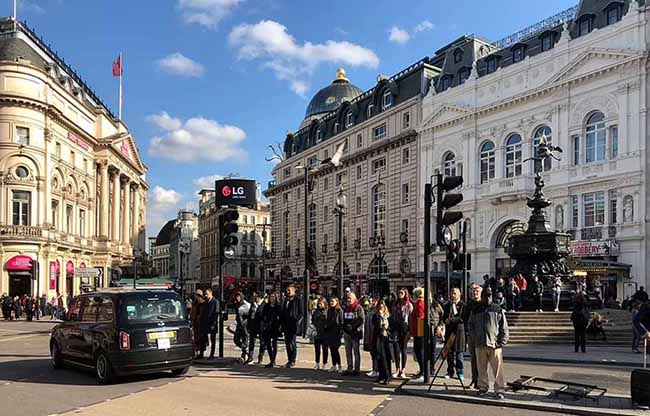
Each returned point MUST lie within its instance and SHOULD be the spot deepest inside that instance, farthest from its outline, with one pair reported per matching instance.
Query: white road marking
(23, 337)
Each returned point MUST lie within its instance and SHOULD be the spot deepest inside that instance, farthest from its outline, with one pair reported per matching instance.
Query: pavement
(28, 383)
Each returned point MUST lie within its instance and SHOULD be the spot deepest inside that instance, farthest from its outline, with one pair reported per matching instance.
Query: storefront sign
(77, 140)
(19, 263)
(53, 273)
(597, 248)
(69, 267)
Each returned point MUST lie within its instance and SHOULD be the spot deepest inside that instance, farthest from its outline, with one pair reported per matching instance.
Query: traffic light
(453, 251)
(445, 201)
(229, 229)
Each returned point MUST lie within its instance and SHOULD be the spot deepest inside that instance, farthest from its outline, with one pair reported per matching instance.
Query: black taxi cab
(118, 332)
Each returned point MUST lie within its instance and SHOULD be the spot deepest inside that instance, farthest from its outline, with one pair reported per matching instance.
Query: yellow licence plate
(153, 336)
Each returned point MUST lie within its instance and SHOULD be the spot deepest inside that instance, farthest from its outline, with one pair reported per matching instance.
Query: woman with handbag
(333, 332)
(400, 331)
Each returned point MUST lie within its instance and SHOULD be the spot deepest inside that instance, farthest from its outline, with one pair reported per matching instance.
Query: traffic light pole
(464, 251)
(427, 280)
(222, 269)
(305, 300)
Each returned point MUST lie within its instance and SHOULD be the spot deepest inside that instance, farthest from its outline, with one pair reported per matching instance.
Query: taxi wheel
(180, 371)
(103, 369)
(55, 356)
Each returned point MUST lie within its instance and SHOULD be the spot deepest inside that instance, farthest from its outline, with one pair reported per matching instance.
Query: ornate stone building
(73, 189)
(377, 174)
(580, 80)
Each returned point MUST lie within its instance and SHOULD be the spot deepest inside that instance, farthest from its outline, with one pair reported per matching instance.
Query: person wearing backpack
(580, 318)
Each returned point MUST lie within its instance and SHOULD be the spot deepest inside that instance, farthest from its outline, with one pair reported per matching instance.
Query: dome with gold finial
(332, 96)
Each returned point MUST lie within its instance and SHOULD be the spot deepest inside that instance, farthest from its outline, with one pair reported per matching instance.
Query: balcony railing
(21, 231)
(508, 186)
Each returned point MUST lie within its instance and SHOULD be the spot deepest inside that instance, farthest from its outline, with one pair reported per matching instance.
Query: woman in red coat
(416, 327)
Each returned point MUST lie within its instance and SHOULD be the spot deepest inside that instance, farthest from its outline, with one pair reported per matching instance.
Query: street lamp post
(377, 243)
(136, 254)
(341, 206)
(183, 248)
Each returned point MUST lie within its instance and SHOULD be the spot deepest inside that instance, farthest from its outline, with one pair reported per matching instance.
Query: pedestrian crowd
(381, 326)
(31, 307)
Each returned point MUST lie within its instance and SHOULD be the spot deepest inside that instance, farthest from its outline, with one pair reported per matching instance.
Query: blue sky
(208, 84)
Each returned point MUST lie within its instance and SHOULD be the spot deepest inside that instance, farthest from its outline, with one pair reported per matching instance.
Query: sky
(210, 84)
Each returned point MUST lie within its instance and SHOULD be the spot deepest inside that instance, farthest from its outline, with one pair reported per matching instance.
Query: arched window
(463, 74)
(487, 162)
(458, 55)
(450, 164)
(545, 132)
(379, 210)
(445, 82)
(513, 156)
(596, 143)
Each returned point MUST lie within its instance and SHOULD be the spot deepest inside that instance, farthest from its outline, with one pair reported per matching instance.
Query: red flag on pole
(118, 71)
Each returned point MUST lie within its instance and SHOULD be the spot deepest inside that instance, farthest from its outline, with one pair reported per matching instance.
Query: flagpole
(15, 15)
(119, 116)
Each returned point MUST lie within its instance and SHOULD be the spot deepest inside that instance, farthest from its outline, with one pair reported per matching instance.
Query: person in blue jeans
(455, 327)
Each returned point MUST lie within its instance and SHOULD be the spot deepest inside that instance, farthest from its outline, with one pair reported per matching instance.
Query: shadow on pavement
(320, 380)
(40, 371)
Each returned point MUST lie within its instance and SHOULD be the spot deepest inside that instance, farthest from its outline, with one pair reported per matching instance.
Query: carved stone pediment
(444, 113)
(591, 62)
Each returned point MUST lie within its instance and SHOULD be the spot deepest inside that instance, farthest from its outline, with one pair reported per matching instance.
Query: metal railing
(550, 22)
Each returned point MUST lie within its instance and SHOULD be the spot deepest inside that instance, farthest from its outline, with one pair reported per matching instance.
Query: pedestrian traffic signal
(230, 229)
(445, 201)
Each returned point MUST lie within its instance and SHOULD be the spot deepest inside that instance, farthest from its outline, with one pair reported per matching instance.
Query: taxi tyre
(55, 355)
(180, 371)
(103, 369)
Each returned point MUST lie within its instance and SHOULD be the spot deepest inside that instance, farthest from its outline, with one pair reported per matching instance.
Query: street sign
(87, 274)
(229, 253)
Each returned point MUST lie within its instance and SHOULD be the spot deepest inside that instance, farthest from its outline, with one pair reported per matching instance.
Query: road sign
(229, 253)
(88, 272)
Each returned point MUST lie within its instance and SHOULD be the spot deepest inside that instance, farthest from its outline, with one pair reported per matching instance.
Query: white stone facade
(603, 72)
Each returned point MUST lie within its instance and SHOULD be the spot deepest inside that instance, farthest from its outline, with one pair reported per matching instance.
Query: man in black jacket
(537, 290)
(472, 305)
(254, 328)
(209, 323)
(292, 314)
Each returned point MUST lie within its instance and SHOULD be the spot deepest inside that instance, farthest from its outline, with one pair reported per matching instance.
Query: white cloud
(197, 138)
(162, 205)
(179, 64)
(291, 61)
(206, 181)
(423, 26)
(206, 13)
(397, 35)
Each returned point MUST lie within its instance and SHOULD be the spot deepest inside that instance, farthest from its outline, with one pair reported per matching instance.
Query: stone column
(115, 226)
(102, 205)
(136, 215)
(126, 219)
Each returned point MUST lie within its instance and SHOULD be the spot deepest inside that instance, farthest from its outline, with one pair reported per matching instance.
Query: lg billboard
(240, 192)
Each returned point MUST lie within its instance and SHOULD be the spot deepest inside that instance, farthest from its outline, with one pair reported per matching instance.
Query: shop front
(69, 278)
(23, 275)
(597, 262)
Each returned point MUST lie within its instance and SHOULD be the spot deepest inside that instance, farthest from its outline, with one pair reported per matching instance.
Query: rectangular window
(613, 134)
(22, 136)
(326, 184)
(287, 172)
(337, 127)
(245, 220)
(348, 119)
(326, 211)
(547, 43)
(326, 154)
(378, 165)
(68, 219)
(340, 178)
(379, 132)
(596, 143)
(85, 166)
(387, 101)
(55, 213)
(72, 157)
(359, 207)
(359, 172)
(491, 65)
(359, 141)
(58, 150)
(82, 223)
(21, 207)
(575, 211)
(405, 193)
(405, 226)
(319, 135)
(406, 156)
(613, 15)
(406, 120)
(518, 54)
(593, 209)
(576, 150)
(584, 27)
(613, 206)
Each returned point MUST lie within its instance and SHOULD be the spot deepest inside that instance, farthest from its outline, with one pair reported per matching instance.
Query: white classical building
(580, 79)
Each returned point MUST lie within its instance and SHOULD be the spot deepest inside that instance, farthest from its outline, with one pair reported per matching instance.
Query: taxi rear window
(154, 307)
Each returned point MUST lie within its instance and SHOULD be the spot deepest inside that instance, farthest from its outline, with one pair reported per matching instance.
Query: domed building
(331, 97)
(376, 130)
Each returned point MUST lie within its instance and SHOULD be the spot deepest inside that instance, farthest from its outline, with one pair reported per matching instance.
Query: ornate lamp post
(377, 242)
(340, 211)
